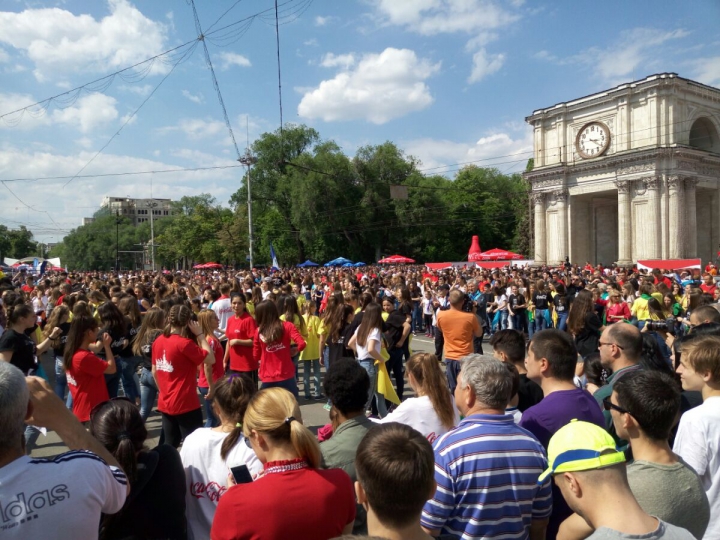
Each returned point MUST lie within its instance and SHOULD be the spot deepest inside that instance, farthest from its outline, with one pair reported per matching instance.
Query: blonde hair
(703, 355)
(275, 413)
(205, 318)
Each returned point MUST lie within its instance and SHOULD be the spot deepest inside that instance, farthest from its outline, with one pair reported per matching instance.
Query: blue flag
(274, 257)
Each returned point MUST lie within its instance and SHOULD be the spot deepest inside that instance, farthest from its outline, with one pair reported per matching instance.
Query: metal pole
(248, 160)
(117, 241)
(152, 233)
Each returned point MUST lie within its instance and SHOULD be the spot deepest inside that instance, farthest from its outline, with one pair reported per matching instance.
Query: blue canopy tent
(338, 262)
(307, 264)
(349, 264)
(359, 264)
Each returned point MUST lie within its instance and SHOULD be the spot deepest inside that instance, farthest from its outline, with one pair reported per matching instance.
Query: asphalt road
(314, 416)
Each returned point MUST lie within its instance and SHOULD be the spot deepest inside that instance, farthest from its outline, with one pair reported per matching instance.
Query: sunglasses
(609, 405)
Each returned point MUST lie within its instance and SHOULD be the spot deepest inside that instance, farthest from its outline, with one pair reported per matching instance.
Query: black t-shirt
(540, 300)
(561, 303)
(338, 349)
(587, 341)
(516, 300)
(65, 327)
(146, 349)
(117, 346)
(529, 393)
(393, 328)
(23, 350)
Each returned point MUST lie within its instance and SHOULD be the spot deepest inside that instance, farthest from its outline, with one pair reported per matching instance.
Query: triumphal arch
(627, 174)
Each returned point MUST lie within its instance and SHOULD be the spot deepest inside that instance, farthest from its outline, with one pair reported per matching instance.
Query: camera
(668, 325)
(468, 304)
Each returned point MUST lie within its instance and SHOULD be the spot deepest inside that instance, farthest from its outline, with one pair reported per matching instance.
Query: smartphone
(241, 474)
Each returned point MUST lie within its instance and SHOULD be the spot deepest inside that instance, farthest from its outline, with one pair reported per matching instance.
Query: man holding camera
(458, 328)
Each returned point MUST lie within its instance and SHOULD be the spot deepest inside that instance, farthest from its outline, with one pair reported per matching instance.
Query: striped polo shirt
(486, 472)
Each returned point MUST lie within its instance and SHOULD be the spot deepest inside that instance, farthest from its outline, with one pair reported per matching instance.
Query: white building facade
(138, 210)
(628, 174)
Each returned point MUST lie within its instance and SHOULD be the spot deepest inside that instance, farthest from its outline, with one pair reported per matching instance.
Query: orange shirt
(458, 329)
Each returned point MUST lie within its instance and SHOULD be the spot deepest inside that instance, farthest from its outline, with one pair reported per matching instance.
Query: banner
(274, 257)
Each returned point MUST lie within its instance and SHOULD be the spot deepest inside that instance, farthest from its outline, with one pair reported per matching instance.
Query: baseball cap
(580, 446)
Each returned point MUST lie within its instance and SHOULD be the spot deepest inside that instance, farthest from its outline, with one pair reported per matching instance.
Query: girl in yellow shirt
(310, 356)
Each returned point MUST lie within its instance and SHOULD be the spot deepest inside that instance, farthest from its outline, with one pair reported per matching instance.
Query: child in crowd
(310, 356)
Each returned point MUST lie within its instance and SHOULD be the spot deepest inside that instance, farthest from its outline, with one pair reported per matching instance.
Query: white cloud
(506, 151)
(196, 128)
(85, 114)
(4, 56)
(141, 90)
(635, 49)
(324, 21)
(84, 142)
(58, 41)
(199, 98)
(200, 159)
(83, 196)
(430, 17)
(340, 60)
(381, 87)
(88, 112)
(311, 42)
(485, 64)
(707, 70)
(229, 59)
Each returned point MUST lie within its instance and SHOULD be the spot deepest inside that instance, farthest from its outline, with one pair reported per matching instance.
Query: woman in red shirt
(209, 374)
(85, 371)
(616, 310)
(292, 497)
(271, 347)
(176, 357)
(240, 330)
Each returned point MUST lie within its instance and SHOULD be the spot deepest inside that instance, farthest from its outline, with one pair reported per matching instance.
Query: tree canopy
(311, 200)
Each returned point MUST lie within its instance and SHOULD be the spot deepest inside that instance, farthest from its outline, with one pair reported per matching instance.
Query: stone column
(624, 223)
(690, 218)
(652, 185)
(561, 197)
(540, 242)
(675, 217)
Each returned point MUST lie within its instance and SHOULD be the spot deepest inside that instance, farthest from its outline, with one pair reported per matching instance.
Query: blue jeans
(519, 321)
(417, 317)
(112, 381)
(31, 436)
(311, 367)
(531, 328)
(562, 320)
(148, 393)
(542, 319)
(288, 384)
(126, 368)
(61, 382)
(369, 365)
(210, 419)
(500, 321)
(451, 372)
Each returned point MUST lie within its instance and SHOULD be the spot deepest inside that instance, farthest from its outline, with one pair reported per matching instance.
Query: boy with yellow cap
(590, 472)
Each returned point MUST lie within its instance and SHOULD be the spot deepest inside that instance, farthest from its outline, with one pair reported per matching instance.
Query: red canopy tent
(207, 266)
(496, 254)
(396, 259)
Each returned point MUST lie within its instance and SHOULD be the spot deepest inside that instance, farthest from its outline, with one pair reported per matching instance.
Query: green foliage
(17, 243)
(310, 200)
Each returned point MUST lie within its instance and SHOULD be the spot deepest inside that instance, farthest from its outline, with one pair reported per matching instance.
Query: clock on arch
(592, 140)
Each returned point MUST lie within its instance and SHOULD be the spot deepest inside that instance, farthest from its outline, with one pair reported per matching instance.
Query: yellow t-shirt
(640, 309)
(250, 308)
(312, 349)
(301, 302)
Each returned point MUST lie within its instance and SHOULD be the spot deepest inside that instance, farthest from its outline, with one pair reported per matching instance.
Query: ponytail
(232, 395)
(275, 413)
(17, 312)
(426, 371)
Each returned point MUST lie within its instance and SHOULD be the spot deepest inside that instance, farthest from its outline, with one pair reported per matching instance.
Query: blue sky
(449, 81)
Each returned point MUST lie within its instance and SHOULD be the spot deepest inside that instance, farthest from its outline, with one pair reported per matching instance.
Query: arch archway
(704, 135)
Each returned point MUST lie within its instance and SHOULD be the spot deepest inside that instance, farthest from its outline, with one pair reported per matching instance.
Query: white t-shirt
(419, 414)
(223, 309)
(206, 475)
(363, 352)
(698, 443)
(60, 498)
(427, 305)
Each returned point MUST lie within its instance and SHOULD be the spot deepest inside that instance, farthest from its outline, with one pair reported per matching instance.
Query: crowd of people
(594, 413)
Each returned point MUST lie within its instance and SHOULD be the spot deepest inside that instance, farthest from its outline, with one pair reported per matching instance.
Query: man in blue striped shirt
(487, 468)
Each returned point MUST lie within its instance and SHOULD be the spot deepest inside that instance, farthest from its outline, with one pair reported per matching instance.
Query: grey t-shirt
(673, 493)
(664, 531)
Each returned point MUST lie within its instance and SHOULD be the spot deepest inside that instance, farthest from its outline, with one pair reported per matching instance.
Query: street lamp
(152, 205)
(117, 241)
(249, 160)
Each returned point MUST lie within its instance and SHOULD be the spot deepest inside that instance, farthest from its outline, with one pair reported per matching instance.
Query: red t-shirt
(86, 383)
(176, 360)
(218, 370)
(275, 360)
(307, 504)
(243, 327)
(710, 289)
